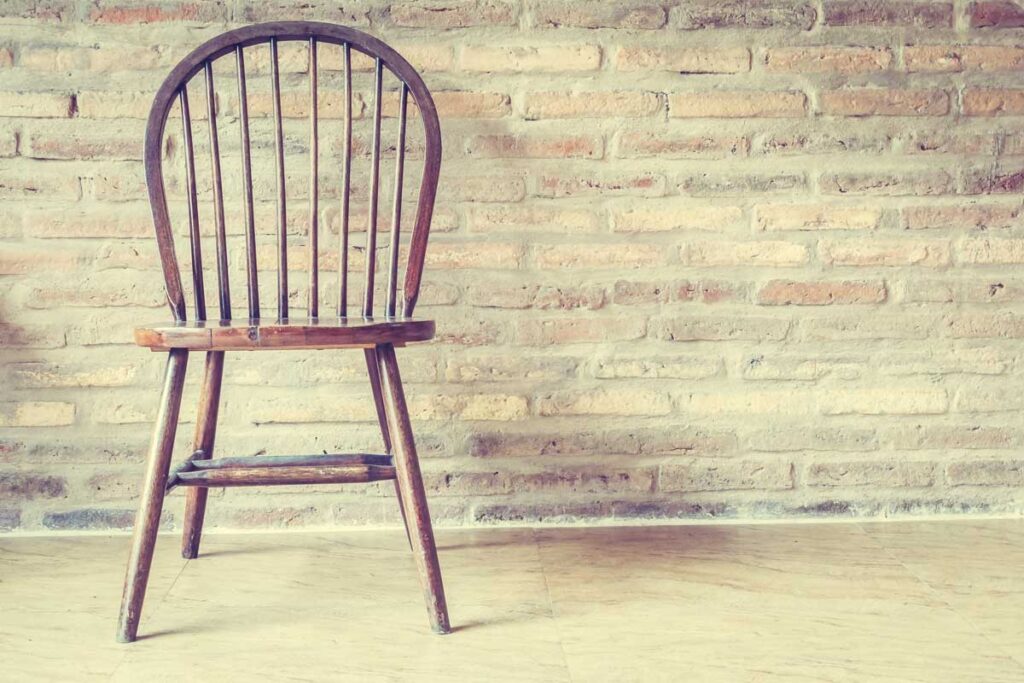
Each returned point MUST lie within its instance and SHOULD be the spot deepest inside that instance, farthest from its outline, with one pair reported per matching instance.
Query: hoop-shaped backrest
(175, 90)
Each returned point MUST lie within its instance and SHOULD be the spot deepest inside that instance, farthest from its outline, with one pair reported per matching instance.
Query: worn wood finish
(322, 333)
(371, 226)
(277, 476)
(411, 483)
(202, 445)
(346, 182)
(251, 270)
(314, 187)
(151, 504)
(396, 215)
(378, 337)
(194, 237)
(223, 285)
(282, 203)
(373, 370)
(330, 460)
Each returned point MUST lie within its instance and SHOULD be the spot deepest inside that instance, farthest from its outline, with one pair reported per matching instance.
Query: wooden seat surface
(302, 333)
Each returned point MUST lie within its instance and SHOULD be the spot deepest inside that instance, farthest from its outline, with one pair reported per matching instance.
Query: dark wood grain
(346, 182)
(194, 237)
(330, 460)
(320, 333)
(251, 270)
(223, 285)
(371, 225)
(396, 214)
(147, 523)
(282, 203)
(279, 476)
(373, 370)
(314, 186)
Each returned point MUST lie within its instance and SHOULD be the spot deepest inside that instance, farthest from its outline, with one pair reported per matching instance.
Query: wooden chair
(376, 336)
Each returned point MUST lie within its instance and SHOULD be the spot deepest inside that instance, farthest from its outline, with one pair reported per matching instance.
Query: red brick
(738, 104)
(597, 104)
(888, 13)
(993, 102)
(884, 102)
(666, 145)
(995, 14)
(777, 14)
(535, 146)
(120, 12)
(683, 60)
(784, 292)
(826, 59)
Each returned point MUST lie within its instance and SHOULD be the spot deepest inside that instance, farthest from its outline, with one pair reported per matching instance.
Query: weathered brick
(991, 250)
(543, 332)
(22, 486)
(659, 217)
(533, 218)
(725, 185)
(602, 183)
(95, 518)
(784, 292)
(712, 328)
(884, 473)
(819, 142)
(886, 13)
(600, 256)
(29, 104)
(780, 14)
(986, 472)
(605, 402)
(737, 104)
(986, 326)
(874, 327)
(36, 414)
(953, 58)
(447, 15)
(929, 253)
(664, 145)
(535, 146)
(814, 217)
(884, 102)
(995, 14)
(629, 14)
(781, 367)
(821, 439)
(667, 367)
(596, 104)
(943, 437)
(902, 400)
(118, 12)
(888, 184)
(538, 59)
(961, 217)
(683, 60)
(993, 180)
(827, 59)
(724, 253)
(725, 475)
(993, 102)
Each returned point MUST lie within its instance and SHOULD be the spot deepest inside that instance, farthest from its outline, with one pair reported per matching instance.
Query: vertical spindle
(251, 272)
(282, 215)
(346, 176)
(314, 205)
(371, 228)
(218, 198)
(396, 218)
(193, 206)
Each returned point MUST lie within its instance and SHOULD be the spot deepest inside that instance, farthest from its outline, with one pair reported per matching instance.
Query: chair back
(326, 92)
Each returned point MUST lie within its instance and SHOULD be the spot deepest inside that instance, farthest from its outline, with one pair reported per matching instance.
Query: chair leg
(206, 431)
(382, 418)
(150, 506)
(410, 482)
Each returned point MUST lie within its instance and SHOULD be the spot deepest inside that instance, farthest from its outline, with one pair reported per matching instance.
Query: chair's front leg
(410, 482)
(206, 432)
(147, 523)
(373, 369)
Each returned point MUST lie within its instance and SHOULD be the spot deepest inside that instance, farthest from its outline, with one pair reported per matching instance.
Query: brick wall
(690, 259)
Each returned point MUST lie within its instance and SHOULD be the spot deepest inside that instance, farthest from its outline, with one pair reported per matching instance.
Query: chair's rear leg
(150, 506)
(410, 482)
(382, 418)
(206, 431)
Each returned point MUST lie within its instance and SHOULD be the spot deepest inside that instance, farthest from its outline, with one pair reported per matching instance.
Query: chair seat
(305, 333)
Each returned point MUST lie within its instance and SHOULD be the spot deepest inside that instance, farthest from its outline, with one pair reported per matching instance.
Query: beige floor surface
(898, 601)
